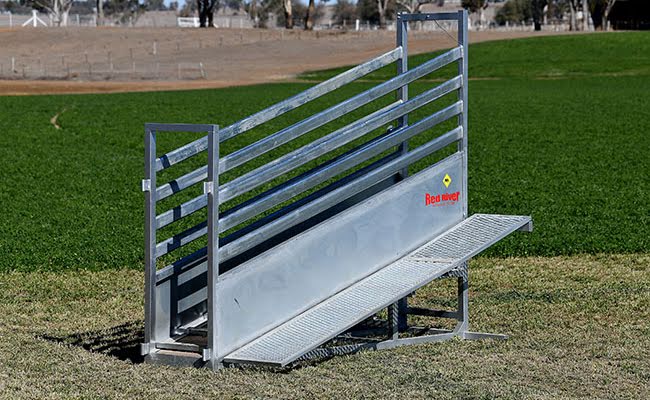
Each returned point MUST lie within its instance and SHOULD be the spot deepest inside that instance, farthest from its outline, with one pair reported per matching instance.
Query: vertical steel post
(462, 95)
(393, 321)
(463, 291)
(149, 188)
(402, 94)
(211, 189)
(463, 303)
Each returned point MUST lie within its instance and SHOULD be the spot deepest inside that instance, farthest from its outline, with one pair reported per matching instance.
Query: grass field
(558, 130)
(571, 152)
(578, 329)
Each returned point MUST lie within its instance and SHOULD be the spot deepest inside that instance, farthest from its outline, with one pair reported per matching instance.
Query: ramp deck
(289, 341)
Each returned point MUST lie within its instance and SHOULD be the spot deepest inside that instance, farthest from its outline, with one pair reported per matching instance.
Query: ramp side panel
(270, 289)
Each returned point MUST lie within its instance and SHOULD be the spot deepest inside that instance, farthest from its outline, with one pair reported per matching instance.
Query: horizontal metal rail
(330, 142)
(193, 264)
(259, 176)
(304, 200)
(341, 164)
(181, 239)
(182, 153)
(200, 174)
(298, 129)
(445, 16)
(336, 196)
(181, 211)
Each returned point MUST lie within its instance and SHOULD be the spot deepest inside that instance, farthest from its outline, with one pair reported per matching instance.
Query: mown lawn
(578, 329)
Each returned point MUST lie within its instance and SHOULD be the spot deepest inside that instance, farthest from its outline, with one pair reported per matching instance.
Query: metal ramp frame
(305, 257)
(449, 251)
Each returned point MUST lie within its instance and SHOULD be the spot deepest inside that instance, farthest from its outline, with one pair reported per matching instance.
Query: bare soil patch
(85, 60)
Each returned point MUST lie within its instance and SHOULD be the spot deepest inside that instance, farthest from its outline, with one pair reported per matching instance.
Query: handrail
(315, 149)
(338, 165)
(331, 142)
(298, 129)
(184, 152)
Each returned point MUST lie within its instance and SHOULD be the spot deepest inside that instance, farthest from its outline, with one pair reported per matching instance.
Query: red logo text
(442, 199)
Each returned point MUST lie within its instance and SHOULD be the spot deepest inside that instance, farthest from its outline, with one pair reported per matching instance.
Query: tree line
(293, 13)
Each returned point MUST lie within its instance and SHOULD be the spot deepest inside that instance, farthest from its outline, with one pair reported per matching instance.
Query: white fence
(220, 21)
(9, 20)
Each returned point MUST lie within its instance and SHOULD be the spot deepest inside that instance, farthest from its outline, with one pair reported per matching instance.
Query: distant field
(571, 152)
(552, 57)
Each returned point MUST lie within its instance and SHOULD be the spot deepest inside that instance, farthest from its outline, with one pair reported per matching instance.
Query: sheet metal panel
(294, 276)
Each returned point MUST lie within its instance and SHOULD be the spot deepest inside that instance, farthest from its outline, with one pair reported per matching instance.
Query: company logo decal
(446, 180)
(442, 199)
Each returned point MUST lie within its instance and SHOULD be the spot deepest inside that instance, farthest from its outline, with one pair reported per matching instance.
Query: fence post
(149, 188)
(399, 310)
(211, 189)
(462, 96)
(403, 92)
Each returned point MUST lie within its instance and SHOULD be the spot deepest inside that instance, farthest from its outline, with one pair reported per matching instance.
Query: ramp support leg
(463, 303)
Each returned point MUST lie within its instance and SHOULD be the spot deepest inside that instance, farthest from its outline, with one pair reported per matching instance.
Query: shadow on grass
(122, 341)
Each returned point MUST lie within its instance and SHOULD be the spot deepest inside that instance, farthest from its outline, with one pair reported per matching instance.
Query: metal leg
(463, 303)
(393, 314)
(402, 314)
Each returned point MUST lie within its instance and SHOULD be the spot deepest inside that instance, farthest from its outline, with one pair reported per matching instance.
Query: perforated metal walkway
(289, 341)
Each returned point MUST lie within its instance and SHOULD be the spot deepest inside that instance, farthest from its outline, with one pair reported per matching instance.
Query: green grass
(578, 330)
(573, 153)
(551, 57)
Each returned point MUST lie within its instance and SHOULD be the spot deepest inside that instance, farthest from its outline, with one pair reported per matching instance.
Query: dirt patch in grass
(578, 328)
(82, 60)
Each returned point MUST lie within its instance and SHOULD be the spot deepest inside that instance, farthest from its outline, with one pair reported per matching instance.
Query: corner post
(402, 92)
(149, 188)
(400, 308)
(211, 189)
(462, 96)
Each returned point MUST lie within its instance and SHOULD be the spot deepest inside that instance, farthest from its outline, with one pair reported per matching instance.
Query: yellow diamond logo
(446, 180)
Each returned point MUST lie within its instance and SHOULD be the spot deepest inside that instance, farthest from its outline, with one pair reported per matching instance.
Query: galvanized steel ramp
(273, 259)
(289, 341)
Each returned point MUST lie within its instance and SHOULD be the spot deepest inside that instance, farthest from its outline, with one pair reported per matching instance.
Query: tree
(368, 10)
(474, 6)
(58, 9)
(414, 6)
(155, 5)
(382, 6)
(344, 10)
(206, 12)
(309, 18)
(288, 15)
(538, 13)
(600, 10)
(100, 12)
(573, 9)
(514, 12)
(124, 10)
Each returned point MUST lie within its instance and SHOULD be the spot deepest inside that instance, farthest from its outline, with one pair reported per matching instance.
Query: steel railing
(253, 227)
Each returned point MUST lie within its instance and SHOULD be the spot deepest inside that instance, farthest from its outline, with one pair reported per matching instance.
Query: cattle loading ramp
(293, 259)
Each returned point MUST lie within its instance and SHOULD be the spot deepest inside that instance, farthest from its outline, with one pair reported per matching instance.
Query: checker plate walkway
(290, 340)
